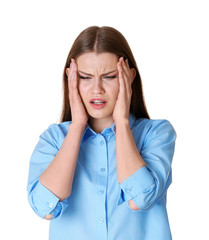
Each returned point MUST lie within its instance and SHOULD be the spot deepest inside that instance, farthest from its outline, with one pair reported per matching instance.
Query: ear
(67, 71)
(133, 71)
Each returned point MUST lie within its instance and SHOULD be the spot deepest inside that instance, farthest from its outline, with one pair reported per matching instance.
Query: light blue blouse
(97, 208)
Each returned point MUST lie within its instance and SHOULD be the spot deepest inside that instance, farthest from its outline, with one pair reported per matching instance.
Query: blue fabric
(98, 205)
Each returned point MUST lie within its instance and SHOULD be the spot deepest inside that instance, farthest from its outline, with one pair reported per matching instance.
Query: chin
(99, 114)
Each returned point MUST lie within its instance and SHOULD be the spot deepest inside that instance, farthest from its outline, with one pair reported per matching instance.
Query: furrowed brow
(88, 74)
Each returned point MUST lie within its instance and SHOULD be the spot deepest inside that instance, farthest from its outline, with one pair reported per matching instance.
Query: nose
(97, 87)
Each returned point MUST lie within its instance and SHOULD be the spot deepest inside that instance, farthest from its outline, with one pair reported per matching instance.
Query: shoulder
(56, 132)
(152, 124)
(149, 129)
(56, 128)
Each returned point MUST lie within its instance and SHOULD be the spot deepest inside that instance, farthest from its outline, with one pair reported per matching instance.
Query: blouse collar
(88, 131)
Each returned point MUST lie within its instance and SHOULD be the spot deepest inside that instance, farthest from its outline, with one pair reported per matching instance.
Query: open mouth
(98, 104)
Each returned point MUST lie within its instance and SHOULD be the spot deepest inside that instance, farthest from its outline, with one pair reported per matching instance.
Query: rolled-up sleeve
(149, 183)
(41, 199)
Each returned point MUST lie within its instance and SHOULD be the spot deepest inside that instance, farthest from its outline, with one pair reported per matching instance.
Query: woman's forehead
(101, 63)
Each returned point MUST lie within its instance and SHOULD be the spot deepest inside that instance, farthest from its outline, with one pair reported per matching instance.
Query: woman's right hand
(78, 112)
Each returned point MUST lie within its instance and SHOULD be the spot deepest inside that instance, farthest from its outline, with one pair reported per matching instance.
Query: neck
(99, 124)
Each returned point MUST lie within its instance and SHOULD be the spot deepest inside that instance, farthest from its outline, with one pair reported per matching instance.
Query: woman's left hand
(126, 77)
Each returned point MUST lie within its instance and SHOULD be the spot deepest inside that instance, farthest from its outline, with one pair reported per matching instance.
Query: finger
(75, 77)
(75, 65)
(70, 79)
(122, 87)
(125, 67)
(129, 76)
(72, 83)
(127, 70)
(126, 77)
(70, 73)
(71, 69)
(75, 81)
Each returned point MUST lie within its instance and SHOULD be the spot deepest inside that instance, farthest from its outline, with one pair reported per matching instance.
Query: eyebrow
(102, 74)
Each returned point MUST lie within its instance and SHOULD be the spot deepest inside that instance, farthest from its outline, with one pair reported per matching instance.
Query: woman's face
(98, 78)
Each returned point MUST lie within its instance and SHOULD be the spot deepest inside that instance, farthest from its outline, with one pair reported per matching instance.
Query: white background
(170, 43)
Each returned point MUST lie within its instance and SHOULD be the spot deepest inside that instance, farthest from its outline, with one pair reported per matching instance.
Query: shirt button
(102, 169)
(51, 205)
(146, 190)
(128, 190)
(101, 220)
(101, 191)
(101, 142)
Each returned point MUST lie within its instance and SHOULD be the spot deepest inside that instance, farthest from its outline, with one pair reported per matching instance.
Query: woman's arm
(55, 180)
(129, 159)
(148, 183)
(58, 176)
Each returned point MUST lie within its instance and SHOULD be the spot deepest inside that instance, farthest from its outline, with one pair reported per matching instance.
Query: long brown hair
(100, 40)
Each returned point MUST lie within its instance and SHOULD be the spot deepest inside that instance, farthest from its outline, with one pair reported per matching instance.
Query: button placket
(101, 183)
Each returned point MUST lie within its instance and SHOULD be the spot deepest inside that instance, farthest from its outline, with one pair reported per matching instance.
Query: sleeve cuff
(45, 202)
(140, 182)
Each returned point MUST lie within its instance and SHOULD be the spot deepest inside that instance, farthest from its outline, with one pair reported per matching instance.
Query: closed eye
(84, 77)
(107, 77)
(110, 77)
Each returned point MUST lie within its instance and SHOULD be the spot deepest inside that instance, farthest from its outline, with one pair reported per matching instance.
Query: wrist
(78, 126)
(122, 122)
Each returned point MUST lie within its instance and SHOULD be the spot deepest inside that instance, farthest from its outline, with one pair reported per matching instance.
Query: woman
(104, 170)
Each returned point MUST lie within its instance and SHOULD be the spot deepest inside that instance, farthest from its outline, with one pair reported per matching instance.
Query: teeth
(97, 101)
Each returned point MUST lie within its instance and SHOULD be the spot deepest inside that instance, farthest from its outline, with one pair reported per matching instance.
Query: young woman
(104, 170)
